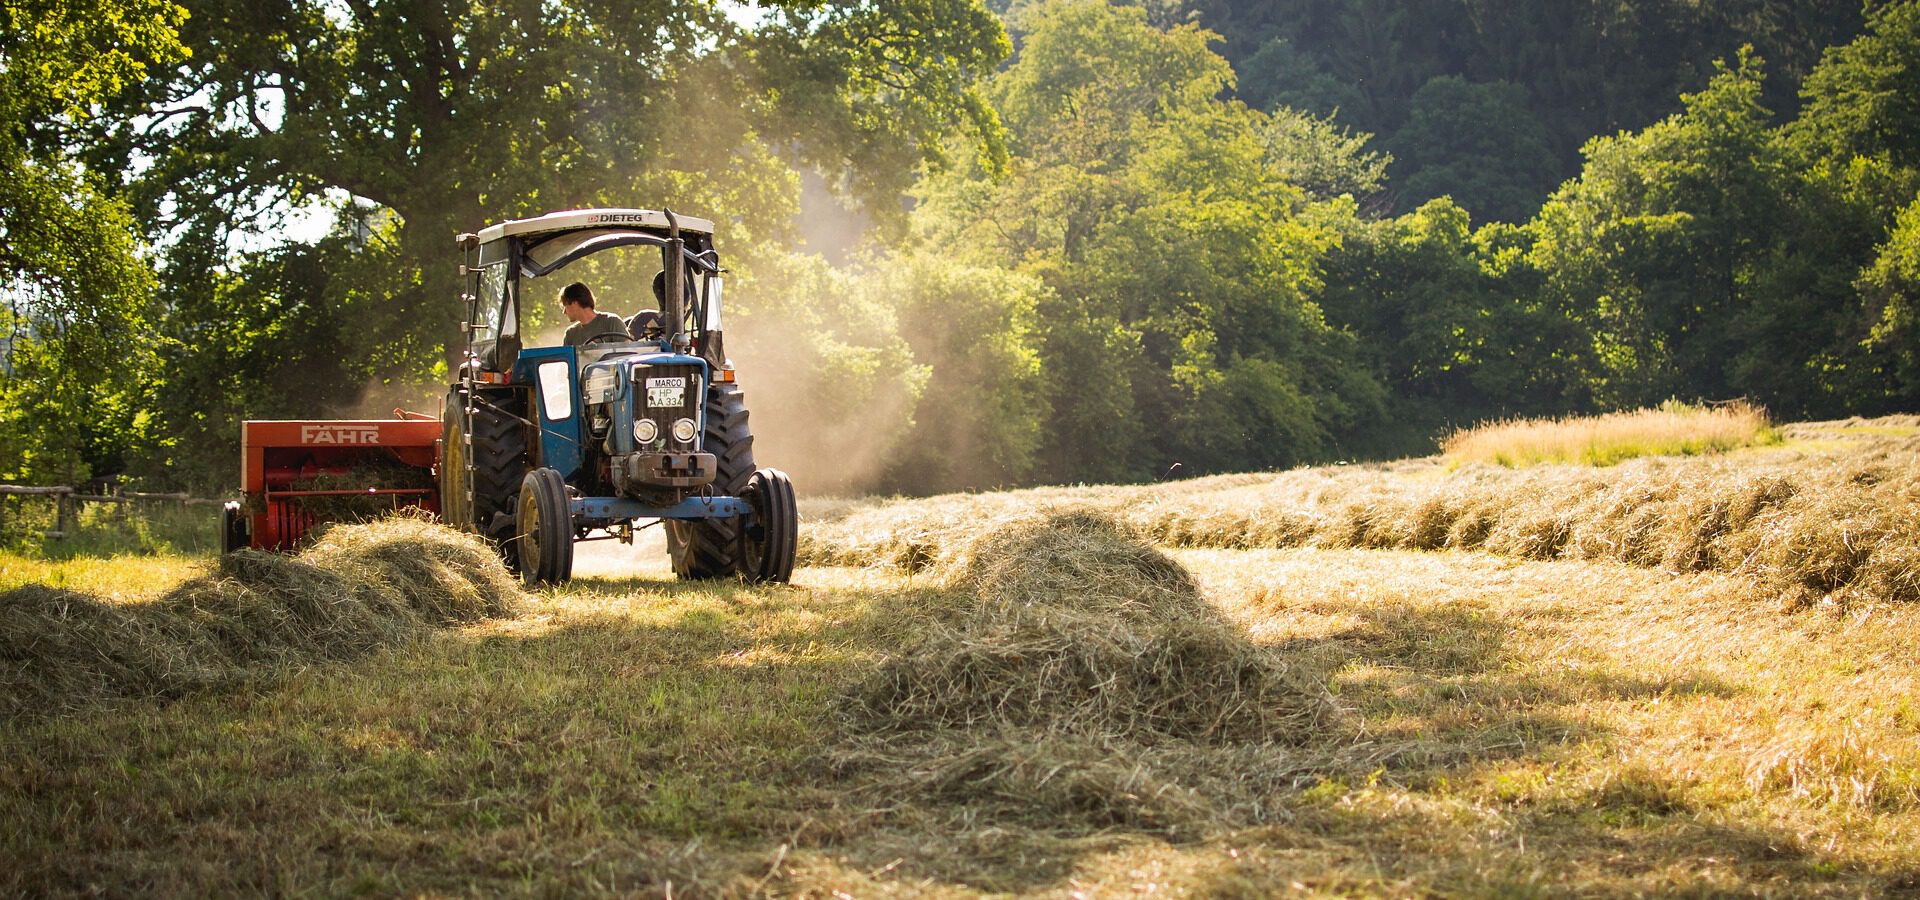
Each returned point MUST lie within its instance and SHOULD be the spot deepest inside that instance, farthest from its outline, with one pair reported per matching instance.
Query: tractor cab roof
(551, 241)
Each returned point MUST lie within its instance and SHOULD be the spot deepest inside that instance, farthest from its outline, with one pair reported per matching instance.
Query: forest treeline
(1109, 242)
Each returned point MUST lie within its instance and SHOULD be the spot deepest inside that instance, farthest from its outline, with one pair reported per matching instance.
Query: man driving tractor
(576, 303)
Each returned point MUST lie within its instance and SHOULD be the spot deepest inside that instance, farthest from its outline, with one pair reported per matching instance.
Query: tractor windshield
(626, 279)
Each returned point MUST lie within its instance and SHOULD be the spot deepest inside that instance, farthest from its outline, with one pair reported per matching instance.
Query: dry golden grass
(357, 588)
(1835, 522)
(1673, 429)
(1044, 704)
(1078, 674)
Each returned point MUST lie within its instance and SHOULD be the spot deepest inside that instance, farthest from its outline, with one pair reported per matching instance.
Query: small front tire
(771, 534)
(544, 526)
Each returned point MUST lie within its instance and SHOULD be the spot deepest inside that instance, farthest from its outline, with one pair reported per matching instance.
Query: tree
(1864, 97)
(449, 115)
(1323, 159)
(978, 424)
(76, 286)
(1654, 245)
(1891, 288)
(1176, 247)
(1478, 143)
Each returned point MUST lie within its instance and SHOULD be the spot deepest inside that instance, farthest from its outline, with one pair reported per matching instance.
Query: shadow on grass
(669, 737)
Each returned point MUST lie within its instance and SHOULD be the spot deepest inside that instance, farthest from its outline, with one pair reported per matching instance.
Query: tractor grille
(691, 401)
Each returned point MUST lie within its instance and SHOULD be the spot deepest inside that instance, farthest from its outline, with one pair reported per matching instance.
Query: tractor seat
(645, 325)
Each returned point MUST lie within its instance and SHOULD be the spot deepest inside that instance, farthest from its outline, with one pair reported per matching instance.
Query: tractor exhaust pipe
(671, 306)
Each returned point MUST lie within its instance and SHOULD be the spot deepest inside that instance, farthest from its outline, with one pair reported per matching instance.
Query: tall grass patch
(1673, 429)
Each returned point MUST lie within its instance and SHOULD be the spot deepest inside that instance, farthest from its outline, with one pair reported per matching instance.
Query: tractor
(544, 446)
(537, 448)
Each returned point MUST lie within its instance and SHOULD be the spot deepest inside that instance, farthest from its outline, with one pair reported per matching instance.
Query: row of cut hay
(1076, 675)
(357, 588)
(1673, 429)
(1842, 526)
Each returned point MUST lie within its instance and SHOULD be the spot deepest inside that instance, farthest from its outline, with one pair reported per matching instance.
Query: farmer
(576, 303)
(647, 323)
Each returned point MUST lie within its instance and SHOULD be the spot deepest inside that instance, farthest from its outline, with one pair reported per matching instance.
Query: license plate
(666, 392)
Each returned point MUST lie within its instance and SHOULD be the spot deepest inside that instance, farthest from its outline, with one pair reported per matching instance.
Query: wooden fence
(67, 500)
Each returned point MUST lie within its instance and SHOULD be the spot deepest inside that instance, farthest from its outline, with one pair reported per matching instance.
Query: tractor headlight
(683, 430)
(644, 431)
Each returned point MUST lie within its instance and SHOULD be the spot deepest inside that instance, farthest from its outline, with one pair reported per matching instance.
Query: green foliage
(1280, 76)
(77, 290)
(1891, 286)
(1479, 144)
(1652, 249)
(826, 371)
(63, 57)
(1322, 158)
(978, 424)
(1864, 98)
(1573, 71)
(1169, 226)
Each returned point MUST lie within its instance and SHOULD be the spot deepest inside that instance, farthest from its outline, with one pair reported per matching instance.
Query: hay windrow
(358, 588)
(1079, 676)
(1804, 525)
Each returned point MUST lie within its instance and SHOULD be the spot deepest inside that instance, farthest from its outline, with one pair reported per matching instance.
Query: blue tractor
(546, 446)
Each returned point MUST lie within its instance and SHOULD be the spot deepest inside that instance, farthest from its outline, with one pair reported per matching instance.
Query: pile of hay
(357, 588)
(1080, 678)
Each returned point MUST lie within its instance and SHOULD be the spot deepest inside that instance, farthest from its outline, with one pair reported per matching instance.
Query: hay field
(1067, 693)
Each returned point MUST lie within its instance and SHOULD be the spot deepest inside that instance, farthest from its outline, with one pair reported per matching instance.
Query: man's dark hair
(577, 294)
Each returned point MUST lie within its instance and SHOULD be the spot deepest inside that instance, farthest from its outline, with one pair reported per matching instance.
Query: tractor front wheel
(771, 534)
(545, 529)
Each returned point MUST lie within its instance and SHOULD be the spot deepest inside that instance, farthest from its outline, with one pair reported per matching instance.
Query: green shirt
(601, 323)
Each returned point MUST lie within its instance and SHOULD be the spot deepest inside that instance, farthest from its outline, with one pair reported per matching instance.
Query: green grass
(1512, 726)
(1554, 728)
(109, 530)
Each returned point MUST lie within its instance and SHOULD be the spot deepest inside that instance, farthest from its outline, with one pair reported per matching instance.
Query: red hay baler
(297, 474)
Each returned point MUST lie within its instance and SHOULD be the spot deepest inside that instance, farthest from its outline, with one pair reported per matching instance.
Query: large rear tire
(499, 464)
(710, 548)
(544, 526)
(771, 535)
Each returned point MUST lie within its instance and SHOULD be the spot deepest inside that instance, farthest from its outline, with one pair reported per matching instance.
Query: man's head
(576, 302)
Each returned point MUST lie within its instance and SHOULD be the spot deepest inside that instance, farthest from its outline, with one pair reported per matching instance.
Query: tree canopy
(1106, 240)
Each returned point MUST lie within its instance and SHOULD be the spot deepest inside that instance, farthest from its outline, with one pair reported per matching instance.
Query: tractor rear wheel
(710, 548)
(772, 532)
(544, 526)
(498, 464)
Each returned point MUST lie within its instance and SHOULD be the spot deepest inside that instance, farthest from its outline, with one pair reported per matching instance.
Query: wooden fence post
(63, 512)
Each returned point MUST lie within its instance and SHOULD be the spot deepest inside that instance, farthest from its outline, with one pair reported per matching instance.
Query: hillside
(1671, 675)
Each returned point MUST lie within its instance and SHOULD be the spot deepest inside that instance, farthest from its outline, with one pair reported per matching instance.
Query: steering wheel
(605, 337)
